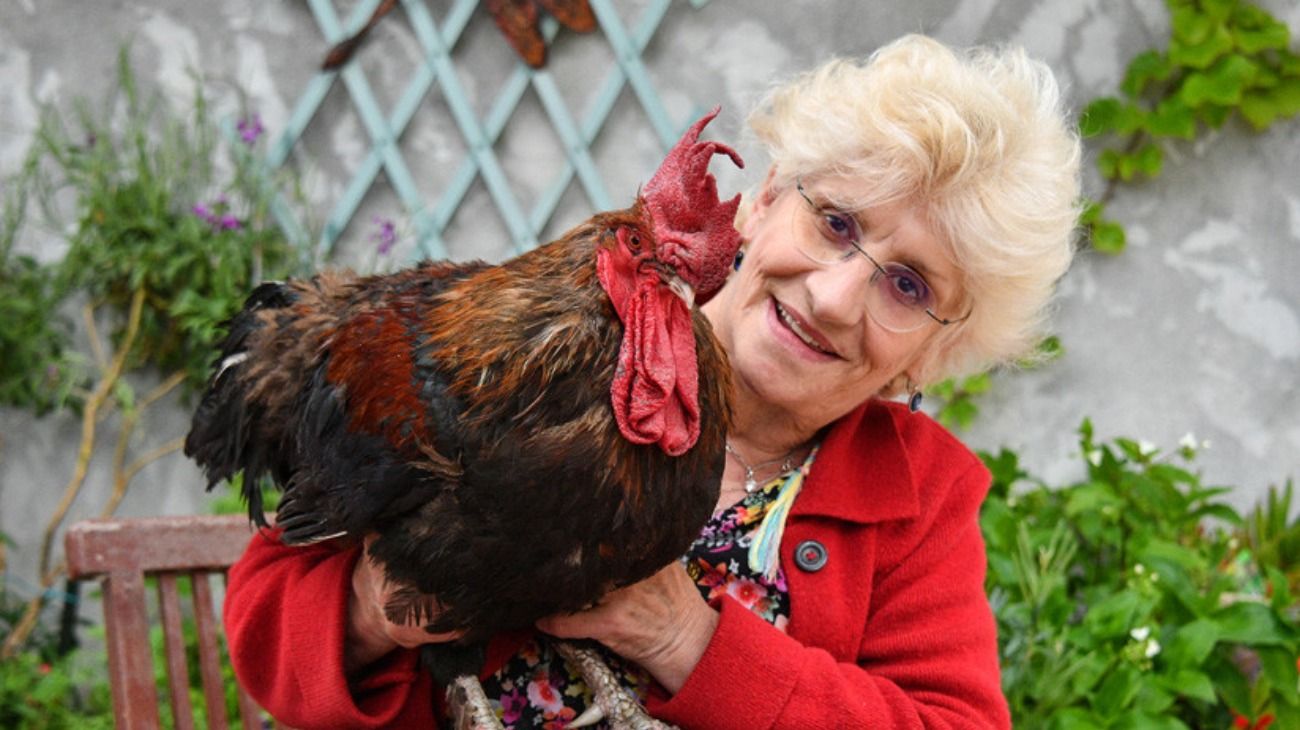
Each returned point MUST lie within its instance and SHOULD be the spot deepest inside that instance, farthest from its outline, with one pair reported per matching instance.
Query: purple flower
(216, 215)
(512, 705)
(202, 211)
(386, 236)
(250, 129)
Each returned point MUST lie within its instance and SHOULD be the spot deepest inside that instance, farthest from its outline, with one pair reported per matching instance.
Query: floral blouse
(535, 689)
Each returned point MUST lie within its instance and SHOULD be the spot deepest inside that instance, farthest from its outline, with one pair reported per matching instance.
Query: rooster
(522, 438)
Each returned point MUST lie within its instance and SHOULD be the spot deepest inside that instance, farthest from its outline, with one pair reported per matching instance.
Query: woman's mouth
(802, 332)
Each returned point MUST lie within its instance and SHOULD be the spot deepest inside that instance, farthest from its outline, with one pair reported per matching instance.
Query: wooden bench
(122, 553)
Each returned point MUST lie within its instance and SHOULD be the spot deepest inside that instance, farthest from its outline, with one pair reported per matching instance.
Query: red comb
(694, 230)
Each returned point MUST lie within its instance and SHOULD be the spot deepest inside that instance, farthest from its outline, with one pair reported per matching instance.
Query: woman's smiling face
(798, 332)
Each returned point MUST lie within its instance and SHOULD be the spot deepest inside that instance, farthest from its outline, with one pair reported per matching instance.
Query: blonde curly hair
(978, 139)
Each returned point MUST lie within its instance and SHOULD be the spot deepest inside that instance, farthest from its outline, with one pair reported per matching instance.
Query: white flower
(542, 695)
(1139, 568)
(1146, 448)
(1153, 648)
(1094, 457)
(1140, 633)
(1188, 441)
(1155, 576)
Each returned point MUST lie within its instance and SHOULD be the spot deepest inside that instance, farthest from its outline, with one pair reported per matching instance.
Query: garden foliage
(1225, 59)
(45, 689)
(167, 228)
(151, 204)
(1132, 598)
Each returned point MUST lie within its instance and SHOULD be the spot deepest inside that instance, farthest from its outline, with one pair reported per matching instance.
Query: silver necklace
(751, 482)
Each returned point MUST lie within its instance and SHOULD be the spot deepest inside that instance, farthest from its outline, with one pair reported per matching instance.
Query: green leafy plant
(44, 689)
(38, 370)
(230, 501)
(57, 694)
(41, 687)
(1274, 536)
(1125, 600)
(1225, 58)
(959, 409)
(163, 246)
(958, 396)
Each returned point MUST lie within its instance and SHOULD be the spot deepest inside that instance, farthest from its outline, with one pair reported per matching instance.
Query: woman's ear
(767, 193)
(762, 201)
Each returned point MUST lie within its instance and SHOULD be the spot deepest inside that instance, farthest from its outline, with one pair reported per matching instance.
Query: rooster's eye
(635, 241)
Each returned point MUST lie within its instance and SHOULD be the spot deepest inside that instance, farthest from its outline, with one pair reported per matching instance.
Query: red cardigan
(894, 631)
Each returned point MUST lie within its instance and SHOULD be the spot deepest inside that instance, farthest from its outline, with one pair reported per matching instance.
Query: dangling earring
(740, 256)
(913, 396)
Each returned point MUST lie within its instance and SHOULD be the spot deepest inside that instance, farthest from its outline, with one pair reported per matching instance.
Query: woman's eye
(840, 227)
(908, 287)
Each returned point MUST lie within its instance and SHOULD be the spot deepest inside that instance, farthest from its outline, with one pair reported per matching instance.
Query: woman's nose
(838, 292)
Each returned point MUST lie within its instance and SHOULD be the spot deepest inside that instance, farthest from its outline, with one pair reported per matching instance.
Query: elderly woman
(916, 215)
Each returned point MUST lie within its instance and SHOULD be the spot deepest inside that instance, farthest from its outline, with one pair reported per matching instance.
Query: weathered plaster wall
(1195, 329)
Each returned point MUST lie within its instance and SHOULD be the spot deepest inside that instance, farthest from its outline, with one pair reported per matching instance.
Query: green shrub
(39, 369)
(52, 695)
(153, 206)
(1126, 600)
(1273, 536)
(43, 690)
(167, 229)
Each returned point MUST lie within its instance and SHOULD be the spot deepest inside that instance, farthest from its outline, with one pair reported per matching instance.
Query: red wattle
(655, 393)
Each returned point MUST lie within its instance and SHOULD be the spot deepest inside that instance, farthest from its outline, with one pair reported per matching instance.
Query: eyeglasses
(898, 298)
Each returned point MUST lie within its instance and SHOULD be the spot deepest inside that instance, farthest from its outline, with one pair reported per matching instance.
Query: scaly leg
(611, 701)
(470, 709)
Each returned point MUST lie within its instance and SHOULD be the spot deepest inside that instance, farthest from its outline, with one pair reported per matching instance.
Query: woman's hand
(661, 623)
(370, 633)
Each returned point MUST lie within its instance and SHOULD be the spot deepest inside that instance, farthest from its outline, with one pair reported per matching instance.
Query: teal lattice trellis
(430, 219)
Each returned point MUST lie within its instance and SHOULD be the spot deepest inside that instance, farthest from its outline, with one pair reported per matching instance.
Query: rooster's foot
(610, 701)
(470, 709)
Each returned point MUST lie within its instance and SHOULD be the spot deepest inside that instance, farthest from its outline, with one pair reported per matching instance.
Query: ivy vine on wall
(1225, 59)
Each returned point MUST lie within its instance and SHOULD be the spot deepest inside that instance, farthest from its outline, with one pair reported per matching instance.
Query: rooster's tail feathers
(227, 432)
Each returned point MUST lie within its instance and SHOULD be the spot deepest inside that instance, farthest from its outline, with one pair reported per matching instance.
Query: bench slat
(135, 701)
(209, 653)
(149, 544)
(178, 673)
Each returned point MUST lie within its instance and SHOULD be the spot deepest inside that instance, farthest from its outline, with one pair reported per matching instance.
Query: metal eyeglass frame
(880, 270)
